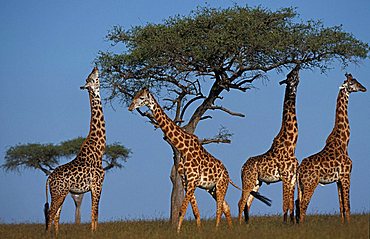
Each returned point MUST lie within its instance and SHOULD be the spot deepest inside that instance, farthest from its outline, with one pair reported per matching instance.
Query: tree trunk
(77, 198)
(177, 194)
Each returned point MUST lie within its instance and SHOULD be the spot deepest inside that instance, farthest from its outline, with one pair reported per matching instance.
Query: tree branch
(223, 136)
(215, 140)
(189, 103)
(217, 107)
(240, 83)
(205, 117)
(46, 171)
(122, 90)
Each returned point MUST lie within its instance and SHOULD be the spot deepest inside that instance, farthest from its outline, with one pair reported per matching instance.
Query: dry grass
(317, 226)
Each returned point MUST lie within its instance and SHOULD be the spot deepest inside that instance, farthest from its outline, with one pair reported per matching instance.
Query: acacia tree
(189, 61)
(46, 157)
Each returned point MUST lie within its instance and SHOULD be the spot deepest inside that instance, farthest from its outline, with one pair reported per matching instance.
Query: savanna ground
(316, 226)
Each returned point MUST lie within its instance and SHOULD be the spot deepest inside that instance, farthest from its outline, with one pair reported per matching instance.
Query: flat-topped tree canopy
(46, 157)
(231, 47)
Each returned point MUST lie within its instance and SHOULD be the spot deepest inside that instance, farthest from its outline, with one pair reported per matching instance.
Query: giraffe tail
(257, 195)
(46, 206)
(262, 198)
(236, 186)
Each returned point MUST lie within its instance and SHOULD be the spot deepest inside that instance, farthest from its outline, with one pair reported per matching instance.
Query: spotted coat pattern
(279, 163)
(85, 173)
(197, 167)
(332, 163)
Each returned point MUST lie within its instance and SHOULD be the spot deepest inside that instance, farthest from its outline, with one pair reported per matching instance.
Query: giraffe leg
(225, 206)
(293, 182)
(307, 192)
(346, 202)
(242, 203)
(291, 201)
(340, 197)
(221, 189)
(249, 183)
(245, 203)
(188, 195)
(288, 197)
(95, 198)
(194, 207)
(226, 211)
(249, 202)
(219, 205)
(56, 220)
(55, 209)
(298, 201)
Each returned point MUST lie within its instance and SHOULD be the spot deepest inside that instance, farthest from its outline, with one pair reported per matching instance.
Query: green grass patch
(316, 226)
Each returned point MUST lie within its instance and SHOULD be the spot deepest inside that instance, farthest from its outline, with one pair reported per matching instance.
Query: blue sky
(46, 52)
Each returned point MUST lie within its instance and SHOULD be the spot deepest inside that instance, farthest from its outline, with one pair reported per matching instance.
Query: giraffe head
(292, 79)
(143, 97)
(92, 83)
(352, 85)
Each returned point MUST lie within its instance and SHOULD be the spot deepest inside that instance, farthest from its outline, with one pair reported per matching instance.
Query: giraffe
(332, 163)
(279, 162)
(197, 167)
(84, 173)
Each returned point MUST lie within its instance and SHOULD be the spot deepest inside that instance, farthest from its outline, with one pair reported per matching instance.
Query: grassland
(260, 227)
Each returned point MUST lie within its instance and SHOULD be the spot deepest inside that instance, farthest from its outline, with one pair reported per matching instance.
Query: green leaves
(115, 154)
(70, 147)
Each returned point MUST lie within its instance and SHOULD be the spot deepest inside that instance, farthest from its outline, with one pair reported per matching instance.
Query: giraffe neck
(172, 132)
(289, 126)
(341, 131)
(96, 138)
